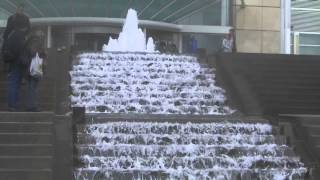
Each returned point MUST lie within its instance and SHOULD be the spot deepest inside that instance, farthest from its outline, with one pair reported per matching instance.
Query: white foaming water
(146, 84)
(225, 151)
(131, 39)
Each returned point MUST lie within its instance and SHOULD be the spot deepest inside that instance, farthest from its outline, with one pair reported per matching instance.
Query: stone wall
(257, 25)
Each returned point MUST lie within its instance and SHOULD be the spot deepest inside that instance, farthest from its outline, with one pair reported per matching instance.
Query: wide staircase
(283, 84)
(171, 147)
(307, 127)
(26, 146)
(154, 116)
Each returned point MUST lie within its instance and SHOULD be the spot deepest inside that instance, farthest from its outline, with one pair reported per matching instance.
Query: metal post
(49, 37)
(224, 12)
(180, 42)
(285, 26)
(145, 34)
(296, 43)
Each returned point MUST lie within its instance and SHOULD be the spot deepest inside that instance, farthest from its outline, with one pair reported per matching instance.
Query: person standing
(18, 26)
(228, 43)
(17, 20)
(35, 50)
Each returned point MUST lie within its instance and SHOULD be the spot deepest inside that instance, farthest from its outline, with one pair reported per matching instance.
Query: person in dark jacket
(17, 21)
(34, 47)
(18, 26)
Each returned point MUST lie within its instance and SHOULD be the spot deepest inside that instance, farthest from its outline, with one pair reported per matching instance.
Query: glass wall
(216, 14)
(309, 43)
(305, 25)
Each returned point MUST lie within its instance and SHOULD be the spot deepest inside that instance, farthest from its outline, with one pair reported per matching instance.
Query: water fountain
(130, 77)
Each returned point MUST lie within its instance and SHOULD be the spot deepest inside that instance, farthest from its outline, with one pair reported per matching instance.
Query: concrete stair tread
(26, 128)
(234, 118)
(35, 138)
(311, 126)
(26, 145)
(21, 162)
(26, 117)
(25, 170)
(37, 174)
(28, 149)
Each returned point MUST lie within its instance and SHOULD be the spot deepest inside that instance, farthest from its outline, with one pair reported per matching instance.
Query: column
(258, 26)
(225, 12)
(49, 37)
(180, 42)
(285, 26)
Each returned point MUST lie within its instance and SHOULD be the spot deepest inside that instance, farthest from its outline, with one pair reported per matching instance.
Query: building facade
(261, 26)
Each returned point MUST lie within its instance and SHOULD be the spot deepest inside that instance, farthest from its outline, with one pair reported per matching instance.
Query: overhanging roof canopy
(157, 10)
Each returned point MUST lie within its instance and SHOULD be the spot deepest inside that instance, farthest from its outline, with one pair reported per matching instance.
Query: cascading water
(145, 83)
(120, 80)
(224, 151)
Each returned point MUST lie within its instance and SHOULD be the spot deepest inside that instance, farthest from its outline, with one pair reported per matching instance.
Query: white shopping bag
(36, 66)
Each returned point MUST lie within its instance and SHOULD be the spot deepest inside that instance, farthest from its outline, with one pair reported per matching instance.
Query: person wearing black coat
(18, 26)
(17, 21)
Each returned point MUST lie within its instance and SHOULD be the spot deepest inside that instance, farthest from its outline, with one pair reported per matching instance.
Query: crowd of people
(18, 51)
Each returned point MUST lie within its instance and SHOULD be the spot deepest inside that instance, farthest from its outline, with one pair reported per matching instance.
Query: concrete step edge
(26, 145)
(27, 134)
(25, 170)
(26, 123)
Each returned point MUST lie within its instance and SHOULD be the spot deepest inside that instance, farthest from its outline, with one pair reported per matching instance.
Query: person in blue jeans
(14, 36)
(17, 66)
(14, 77)
(35, 47)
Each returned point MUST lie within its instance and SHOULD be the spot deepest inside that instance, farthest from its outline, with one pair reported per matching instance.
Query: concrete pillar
(258, 26)
(225, 12)
(71, 36)
(145, 33)
(285, 26)
(180, 42)
(296, 43)
(95, 45)
(49, 37)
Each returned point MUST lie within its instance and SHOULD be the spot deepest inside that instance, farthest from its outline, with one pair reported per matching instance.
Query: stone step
(289, 91)
(150, 109)
(281, 87)
(315, 139)
(285, 109)
(43, 106)
(148, 174)
(285, 78)
(178, 139)
(26, 116)
(307, 102)
(231, 150)
(194, 162)
(286, 65)
(85, 84)
(26, 138)
(22, 162)
(26, 149)
(41, 99)
(93, 118)
(26, 174)
(176, 128)
(26, 127)
(287, 106)
(284, 72)
(312, 129)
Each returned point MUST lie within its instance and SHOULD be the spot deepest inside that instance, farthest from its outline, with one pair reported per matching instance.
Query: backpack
(7, 52)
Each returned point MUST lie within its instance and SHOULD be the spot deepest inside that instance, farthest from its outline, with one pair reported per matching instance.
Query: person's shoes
(33, 110)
